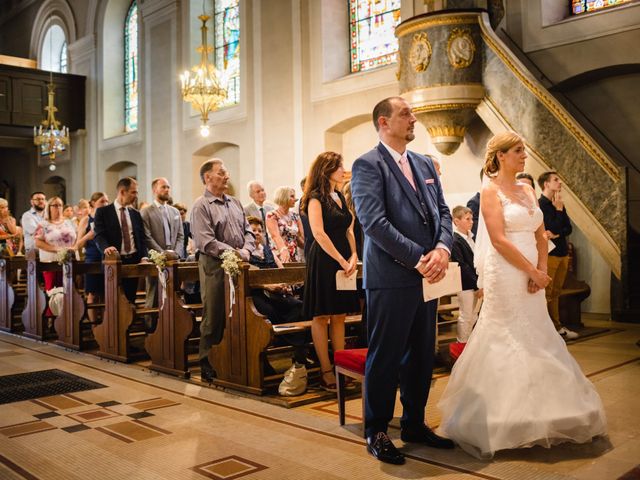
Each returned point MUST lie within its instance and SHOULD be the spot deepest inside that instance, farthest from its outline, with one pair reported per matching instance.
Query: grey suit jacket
(251, 210)
(154, 231)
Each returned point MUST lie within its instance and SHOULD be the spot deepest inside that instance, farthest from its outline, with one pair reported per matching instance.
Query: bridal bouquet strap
(159, 259)
(231, 266)
(64, 256)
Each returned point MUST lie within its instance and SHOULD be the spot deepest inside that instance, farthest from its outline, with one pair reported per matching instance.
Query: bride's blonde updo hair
(501, 142)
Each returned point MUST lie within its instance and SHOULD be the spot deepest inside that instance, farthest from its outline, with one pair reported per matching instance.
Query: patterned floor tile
(60, 402)
(93, 415)
(228, 468)
(133, 431)
(28, 428)
(42, 416)
(80, 427)
(153, 403)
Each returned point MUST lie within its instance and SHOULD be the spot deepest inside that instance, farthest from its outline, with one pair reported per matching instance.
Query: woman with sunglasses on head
(54, 234)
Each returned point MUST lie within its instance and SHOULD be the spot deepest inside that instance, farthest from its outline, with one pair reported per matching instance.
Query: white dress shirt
(132, 241)
(30, 221)
(468, 237)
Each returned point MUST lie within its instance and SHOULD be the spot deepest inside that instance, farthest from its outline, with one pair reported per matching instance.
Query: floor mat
(44, 383)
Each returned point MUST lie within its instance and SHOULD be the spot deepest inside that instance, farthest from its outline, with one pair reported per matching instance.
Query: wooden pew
(122, 321)
(12, 293)
(573, 293)
(249, 336)
(33, 316)
(177, 321)
(69, 324)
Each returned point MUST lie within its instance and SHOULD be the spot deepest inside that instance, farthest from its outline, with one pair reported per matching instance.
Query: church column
(84, 177)
(159, 75)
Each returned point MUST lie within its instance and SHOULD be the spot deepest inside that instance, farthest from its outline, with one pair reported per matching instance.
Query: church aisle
(145, 426)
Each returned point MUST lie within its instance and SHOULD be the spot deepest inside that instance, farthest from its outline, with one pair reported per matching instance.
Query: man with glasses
(32, 218)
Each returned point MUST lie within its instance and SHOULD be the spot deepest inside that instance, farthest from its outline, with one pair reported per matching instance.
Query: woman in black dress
(334, 249)
(93, 283)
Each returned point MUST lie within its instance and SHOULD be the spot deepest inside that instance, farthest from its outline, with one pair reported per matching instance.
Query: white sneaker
(294, 381)
(567, 334)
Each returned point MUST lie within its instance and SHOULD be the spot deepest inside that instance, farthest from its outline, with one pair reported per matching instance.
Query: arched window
(226, 43)
(131, 68)
(63, 58)
(53, 53)
(585, 6)
(372, 24)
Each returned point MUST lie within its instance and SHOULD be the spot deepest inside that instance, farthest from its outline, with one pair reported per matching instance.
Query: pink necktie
(406, 169)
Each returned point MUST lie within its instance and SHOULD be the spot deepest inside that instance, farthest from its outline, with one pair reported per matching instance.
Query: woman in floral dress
(54, 234)
(284, 226)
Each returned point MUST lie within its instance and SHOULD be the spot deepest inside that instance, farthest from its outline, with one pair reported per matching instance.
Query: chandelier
(49, 136)
(204, 87)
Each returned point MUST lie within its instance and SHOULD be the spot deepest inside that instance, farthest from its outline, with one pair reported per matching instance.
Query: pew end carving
(168, 345)
(13, 291)
(34, 316)
(72, 324)
(122, 322)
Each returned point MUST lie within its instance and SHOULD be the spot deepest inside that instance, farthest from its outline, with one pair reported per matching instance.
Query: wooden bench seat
(573, 293)
(285, 328)
(249, 338)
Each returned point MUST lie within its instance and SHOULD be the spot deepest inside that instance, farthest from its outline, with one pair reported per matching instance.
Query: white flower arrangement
(64, 256)
(230, 263)
(159, 259)
(231, 266)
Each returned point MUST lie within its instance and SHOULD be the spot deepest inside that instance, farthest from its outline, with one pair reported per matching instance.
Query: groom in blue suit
(408, 237)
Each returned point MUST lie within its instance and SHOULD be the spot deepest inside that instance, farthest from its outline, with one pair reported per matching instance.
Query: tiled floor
(148, 426)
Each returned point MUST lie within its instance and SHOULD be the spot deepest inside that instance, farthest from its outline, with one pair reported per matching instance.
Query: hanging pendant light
(49, 136)
(204, 87)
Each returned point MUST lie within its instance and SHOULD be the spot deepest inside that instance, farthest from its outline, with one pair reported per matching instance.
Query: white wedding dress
(516, 384)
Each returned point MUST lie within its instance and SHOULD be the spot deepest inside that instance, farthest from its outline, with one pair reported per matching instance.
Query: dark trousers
(212, 293)
(401, 329)
(283, 309)
(130, 285)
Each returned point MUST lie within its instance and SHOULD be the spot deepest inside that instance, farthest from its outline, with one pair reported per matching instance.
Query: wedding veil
(482, 239)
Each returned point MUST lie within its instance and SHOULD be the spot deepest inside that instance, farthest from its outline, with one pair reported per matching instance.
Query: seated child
(278, 303)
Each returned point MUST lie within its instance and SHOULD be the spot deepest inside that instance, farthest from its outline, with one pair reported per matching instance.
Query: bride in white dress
(515, 384)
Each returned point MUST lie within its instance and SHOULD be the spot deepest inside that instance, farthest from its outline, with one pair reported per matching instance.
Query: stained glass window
(226, 44)
(63, 57)
(53, 55)
(131, 69)
(372, 27)
(586, 6)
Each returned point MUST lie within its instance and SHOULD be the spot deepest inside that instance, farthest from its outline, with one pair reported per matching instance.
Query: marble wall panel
(602, 192)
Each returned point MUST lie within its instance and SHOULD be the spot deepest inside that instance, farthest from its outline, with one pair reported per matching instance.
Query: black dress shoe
(381, 447)
(207, 373)
(425, 435)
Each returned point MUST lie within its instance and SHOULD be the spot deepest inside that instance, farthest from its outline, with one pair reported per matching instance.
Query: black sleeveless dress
(320, 294)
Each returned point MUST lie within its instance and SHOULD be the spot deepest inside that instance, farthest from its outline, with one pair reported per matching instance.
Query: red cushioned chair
(349, 363)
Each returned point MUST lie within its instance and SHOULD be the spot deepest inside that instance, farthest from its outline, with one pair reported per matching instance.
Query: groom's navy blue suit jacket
(398, 229)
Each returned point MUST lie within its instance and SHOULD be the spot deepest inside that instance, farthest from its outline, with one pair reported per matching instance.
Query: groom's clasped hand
(433, 265)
